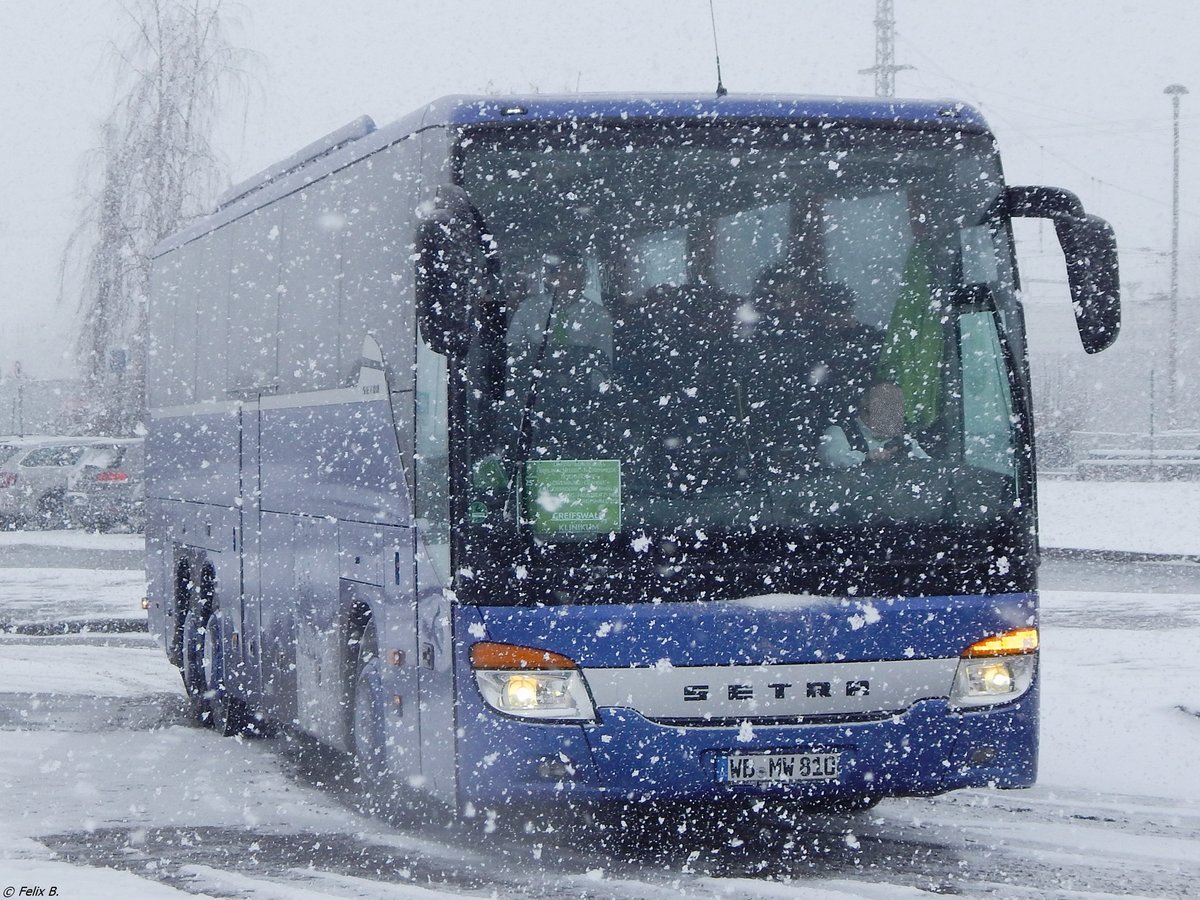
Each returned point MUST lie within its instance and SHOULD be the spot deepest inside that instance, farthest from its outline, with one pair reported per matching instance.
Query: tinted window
(661, 258)
(180, 368)
(747, 242)
(254, 300)
(46, 457)
(211, 336)
(782, 305)
(311, 289)
(379, 198)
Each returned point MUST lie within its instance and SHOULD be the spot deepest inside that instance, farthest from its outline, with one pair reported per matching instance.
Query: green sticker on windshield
(573, 496)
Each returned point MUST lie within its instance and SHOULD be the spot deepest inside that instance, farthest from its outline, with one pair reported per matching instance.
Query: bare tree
(154, 171)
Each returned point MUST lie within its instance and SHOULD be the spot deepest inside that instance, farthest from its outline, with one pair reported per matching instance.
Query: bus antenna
(721, 92)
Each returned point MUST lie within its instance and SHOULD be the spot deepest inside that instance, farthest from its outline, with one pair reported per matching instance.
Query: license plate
(778, 767)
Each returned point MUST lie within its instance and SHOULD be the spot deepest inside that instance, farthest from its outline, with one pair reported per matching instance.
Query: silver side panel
(703, 693)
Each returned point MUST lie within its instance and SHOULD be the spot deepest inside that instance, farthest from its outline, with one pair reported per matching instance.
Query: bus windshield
(786, 349)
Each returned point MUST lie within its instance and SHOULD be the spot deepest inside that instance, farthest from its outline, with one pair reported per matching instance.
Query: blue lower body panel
(926, 748)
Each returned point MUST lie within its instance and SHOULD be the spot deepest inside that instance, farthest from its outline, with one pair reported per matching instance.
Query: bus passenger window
(660, 258)
(748, 242)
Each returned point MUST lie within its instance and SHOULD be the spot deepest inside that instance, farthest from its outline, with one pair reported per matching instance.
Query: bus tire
(192, 667)
(228, 713)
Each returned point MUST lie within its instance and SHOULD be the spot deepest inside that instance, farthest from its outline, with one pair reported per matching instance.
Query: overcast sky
(1072, 88)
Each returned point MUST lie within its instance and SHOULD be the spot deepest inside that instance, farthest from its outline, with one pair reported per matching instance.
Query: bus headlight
(996, 670)
(531, 683)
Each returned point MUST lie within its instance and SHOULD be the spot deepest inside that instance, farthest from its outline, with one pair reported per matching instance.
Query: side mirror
(1042, 203)
(451, 271)
(1090, 249)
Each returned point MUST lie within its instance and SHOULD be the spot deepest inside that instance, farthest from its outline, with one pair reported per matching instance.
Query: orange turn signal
(489, 655)
(1011, 643)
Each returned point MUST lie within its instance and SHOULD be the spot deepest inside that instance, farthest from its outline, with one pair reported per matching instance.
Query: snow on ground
(83, 882)
(1119, 677)
(77, 540)
(178, 775)
(103, 743)
(115, 669)
(70, 595)
(1138, 517)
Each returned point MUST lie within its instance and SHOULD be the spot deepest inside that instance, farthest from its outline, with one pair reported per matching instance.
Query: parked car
(108, 490)
(34, 477)
(10, 445)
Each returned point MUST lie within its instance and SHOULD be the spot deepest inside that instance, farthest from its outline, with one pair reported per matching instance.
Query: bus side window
(164, 290)
(213, 326)
(660, 258)
(311, 281)
(867, 241)
(747, 242)
(987, 398)
(254, 301)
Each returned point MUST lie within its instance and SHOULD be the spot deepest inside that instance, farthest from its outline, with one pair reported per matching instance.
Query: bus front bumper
(624, 757)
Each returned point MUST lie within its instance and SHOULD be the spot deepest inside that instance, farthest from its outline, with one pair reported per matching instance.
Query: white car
(34, 473)
(107, 489)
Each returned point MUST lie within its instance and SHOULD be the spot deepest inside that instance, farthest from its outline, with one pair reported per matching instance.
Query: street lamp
(1175, 91)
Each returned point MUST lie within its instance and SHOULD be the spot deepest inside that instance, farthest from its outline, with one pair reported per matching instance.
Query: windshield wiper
(525, 427)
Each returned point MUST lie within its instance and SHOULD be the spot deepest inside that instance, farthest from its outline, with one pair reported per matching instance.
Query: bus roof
(360, 137)
(474, 110)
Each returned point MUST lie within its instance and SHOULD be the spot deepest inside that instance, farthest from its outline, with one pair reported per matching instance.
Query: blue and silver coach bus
(602, 449)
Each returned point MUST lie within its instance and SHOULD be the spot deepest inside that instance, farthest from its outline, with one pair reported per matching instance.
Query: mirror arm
(1042, 203)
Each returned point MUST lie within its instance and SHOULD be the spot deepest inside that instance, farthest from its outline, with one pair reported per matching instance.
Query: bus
(588, 451)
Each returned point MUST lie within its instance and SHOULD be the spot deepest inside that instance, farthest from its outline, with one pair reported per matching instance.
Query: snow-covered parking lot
(106, 790)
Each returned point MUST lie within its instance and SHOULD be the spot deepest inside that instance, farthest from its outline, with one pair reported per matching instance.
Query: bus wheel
(193, 667)
(366, 724)
(228, 712)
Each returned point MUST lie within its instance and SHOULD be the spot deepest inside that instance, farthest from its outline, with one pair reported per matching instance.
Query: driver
(563, 315)
(876, 435)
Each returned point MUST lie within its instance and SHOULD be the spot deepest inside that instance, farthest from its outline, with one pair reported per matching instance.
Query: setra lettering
(858, 688)
(741, 692)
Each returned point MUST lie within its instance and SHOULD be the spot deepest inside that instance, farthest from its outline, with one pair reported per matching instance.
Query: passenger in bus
(820, 315)
(785, 303)
(912, 351)
(805, 358)
(562, 315)
(852, 347)
(560, 349)
(518, 287)
(876, 435)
